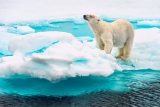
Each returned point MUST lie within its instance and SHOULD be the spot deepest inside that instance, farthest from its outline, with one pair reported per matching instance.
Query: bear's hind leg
(120, 52)
(101, 46)
(127, 51)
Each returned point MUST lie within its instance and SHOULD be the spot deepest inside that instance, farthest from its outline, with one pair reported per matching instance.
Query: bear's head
(92, 19)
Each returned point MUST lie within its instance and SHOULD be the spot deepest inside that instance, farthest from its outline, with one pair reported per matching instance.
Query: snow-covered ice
(64, 57)
(61, 55)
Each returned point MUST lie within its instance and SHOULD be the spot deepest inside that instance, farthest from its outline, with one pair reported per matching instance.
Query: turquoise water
(124, 81)
(118, 82)
(76, 29)
(69, 26)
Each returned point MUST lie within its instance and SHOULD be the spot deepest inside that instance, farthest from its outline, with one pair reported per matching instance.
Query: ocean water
(135, 85)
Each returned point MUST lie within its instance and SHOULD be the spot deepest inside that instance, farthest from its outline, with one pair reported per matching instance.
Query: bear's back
(121, 31)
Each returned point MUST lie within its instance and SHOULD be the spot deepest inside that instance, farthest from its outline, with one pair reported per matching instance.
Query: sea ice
(66, 56)
(24, 30)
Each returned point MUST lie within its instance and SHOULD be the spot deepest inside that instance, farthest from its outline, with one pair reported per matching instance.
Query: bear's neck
(99, 28)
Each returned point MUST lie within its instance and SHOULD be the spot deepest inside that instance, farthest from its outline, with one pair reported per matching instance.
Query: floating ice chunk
(25, 30)
(36, 41)
(66, 58)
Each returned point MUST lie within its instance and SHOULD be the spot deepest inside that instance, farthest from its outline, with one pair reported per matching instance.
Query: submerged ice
(59, 55)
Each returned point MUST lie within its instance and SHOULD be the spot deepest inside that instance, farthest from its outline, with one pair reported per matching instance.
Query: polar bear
(119, 33)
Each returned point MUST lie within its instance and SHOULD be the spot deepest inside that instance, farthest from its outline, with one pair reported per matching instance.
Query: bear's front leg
(108, 43)
(108, 47)
(100, 43)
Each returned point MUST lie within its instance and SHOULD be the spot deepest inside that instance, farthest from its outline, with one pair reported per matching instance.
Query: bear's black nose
(84, 16)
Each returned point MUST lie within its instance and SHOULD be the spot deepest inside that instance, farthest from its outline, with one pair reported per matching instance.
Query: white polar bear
(119, 33)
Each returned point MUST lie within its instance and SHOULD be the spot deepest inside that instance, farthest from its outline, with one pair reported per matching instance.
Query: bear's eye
(98, 20)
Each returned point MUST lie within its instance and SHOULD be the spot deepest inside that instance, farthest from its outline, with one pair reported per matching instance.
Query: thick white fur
(119, 33)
